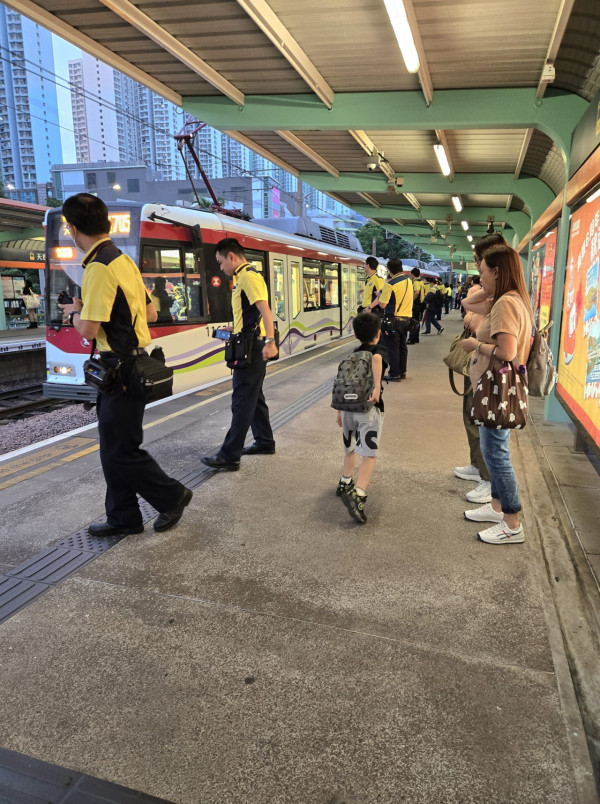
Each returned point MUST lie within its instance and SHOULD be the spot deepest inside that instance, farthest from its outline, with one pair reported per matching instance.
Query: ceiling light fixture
(470, 238)
(397, 14)
(589, 200)
(490, 228)
(442, 159)
(465, 225)
(457, 203)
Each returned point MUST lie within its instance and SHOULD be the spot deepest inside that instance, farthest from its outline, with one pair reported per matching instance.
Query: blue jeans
(496, 454)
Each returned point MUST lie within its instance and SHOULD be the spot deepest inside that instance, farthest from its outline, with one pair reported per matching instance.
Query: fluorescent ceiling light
(470, 238)
(464, 225)
(593, 196)
(442, 159)
(397, 14)
(457, 203)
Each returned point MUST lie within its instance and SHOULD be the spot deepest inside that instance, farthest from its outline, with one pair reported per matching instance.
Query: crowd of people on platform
(115, 309)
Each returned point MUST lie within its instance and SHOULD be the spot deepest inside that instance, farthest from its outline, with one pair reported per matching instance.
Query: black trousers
(417, 313)
(396, 347)
(248, 407)
(129, 470)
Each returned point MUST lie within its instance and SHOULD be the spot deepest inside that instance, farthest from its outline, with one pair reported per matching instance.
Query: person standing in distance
(251, 313)
(397, 301)
(373, 287)
(114, 310)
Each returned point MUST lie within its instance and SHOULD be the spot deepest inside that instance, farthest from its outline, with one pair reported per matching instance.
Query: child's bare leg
(365, 472)
(349, 463)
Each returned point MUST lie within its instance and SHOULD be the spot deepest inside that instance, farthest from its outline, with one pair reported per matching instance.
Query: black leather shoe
(104, 529)
(256, 449)
(216, 462)
(392, 378)
(172, 517)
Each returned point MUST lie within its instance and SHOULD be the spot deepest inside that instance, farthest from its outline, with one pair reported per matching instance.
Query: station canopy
(321, 89)
(21, 219)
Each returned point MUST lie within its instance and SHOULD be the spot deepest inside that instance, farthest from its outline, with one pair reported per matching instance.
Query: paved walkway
(269, 649)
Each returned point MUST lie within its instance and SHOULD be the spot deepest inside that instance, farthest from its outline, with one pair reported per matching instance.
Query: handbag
(500, 397)
(541, 372)
(154, 377)
(32, 301)
(458, 361)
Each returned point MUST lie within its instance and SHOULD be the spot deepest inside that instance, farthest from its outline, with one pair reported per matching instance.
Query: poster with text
(579, 356)
(542, 278)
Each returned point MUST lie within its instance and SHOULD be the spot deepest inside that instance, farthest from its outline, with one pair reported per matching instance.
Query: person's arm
(269, 349)
(377, 371)
(505, 347)
(87, 329)
(476, 302)
(151, 311)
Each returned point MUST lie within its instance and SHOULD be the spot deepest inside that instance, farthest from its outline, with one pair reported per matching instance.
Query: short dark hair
(87, 213)
(366, 326)
(394, 265)
(372, 262)
(476, 279)
(416, 272)
(228, 244)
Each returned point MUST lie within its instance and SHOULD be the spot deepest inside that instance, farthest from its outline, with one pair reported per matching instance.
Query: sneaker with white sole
(501, 534)
(468, 473)
(482, 493)
(484, 514)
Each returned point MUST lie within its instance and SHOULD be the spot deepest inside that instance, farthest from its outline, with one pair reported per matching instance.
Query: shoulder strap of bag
(453, 386)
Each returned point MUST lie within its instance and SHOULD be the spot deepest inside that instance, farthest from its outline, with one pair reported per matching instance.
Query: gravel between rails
(23, 432)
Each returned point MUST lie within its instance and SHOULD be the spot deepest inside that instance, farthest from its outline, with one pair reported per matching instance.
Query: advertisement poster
(579, 356)
(542, 278)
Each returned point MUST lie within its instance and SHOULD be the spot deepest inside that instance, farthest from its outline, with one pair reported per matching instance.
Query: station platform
(270, 649)
(22, 339)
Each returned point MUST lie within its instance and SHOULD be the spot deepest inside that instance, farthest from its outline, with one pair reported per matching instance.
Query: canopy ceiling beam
(143, 23)
(424, 74)
(556, 114)
(308, 152)
(270, 24)
(80, 40)
(533, 192)
(254, 146)
(518, 221)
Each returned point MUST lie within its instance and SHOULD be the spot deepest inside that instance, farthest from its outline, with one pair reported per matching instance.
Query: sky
(63, 51)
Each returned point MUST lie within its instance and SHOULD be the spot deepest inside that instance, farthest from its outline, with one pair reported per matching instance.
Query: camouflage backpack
(354, 383)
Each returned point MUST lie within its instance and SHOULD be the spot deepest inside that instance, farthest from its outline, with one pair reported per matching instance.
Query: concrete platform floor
(269, 649)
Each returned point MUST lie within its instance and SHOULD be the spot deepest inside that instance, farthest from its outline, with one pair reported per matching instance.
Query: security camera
(372, 162)
(399, 181)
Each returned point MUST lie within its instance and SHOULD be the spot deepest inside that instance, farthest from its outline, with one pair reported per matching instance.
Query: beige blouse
(511, 315)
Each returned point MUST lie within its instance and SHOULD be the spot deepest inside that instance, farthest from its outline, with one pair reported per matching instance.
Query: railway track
(23, 402)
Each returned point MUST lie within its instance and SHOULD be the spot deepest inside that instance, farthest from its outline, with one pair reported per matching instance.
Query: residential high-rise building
(94, 112)
(159, 120)
(29, 126)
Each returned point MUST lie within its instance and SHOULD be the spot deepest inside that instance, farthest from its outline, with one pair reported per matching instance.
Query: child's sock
(361, 492)
(344, 479)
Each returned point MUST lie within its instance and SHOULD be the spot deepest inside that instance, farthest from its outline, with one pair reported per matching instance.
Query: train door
(346, 308)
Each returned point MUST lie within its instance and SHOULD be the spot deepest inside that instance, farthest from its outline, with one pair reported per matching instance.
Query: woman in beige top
(505, 334)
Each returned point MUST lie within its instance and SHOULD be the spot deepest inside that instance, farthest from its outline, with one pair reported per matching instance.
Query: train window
(279, 289)
(310, 285)
(330, 286)
(193, 288)
(163, 274)
(295, 270)
(256, 260)
(346, 286)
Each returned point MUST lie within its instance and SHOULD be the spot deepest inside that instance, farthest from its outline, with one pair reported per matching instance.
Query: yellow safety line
(42, 455)
(81, 453)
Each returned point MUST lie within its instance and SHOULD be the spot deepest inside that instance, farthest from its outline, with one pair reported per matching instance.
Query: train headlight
(62, 369)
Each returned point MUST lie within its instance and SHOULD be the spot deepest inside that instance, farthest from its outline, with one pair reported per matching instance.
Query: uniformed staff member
(373, 287)
(114, 310)
(418, 303)
(251, 313)
(397, 301)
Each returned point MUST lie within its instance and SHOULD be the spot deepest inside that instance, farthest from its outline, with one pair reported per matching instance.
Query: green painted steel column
(553, 410)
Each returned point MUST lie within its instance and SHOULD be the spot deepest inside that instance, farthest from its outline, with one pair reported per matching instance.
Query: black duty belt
(121, 355)
(402, 317)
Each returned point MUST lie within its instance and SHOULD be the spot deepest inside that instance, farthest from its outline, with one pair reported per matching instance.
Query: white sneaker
(481, 493)
(484, 514)
(467, 473)
(501, 534)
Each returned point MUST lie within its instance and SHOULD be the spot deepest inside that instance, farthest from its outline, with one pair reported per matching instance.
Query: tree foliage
(53, 202)
(390, 246)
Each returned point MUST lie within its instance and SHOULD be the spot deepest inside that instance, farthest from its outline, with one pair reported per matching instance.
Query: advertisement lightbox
(542, 278)
(578, 385)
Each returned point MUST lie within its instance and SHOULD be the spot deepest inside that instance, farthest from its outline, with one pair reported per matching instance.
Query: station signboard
(578, 385)
(542, 278)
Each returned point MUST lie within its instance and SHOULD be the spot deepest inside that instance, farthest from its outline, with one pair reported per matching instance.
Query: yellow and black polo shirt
(113, 293)
(397, 295)
(373, 284)
(249, 287)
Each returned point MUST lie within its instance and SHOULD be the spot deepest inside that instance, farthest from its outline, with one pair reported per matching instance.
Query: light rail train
(314, 288)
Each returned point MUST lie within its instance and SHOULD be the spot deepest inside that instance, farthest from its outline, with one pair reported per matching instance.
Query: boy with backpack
(357, 396)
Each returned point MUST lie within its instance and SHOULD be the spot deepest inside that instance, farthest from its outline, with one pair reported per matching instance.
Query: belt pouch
(238, 350)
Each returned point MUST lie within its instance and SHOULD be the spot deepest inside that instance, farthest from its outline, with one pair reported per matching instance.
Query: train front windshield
(64, 270)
